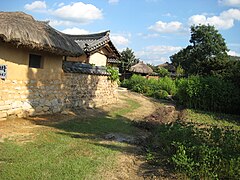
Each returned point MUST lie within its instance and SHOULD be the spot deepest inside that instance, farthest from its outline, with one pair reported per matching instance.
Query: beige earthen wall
(30, 91)
(83, 59)
(98, 59)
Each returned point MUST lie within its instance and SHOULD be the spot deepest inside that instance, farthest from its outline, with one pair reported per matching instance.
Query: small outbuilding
(141, 68)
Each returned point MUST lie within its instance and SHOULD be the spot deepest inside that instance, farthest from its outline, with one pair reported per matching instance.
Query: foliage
(163, 72)
(204, 93)
(114, 74)
(153, 67)
(233, 72)
(159, 89)
(207, 55)
(179, 71)
(208, 93)
(199, 153)
(127, 59)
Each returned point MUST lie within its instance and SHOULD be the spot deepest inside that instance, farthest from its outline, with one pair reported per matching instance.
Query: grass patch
(98, 126)
(213, 119)
(74, 151)
(131, 106)
(205, 146)
(53, 156)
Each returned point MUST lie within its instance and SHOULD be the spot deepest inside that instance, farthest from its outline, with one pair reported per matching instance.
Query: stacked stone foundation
(72, 90)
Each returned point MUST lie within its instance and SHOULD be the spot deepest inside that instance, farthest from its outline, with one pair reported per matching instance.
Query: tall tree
(127, 59)
(206, 56)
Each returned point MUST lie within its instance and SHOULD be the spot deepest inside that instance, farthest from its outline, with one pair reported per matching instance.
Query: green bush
(163, 72)
(168, 85)
(208, 93)
(159, 89)
(161, 94)
(198, 153)
(114, 74)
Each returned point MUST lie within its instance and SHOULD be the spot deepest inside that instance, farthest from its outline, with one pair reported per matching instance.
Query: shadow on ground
(115, 132)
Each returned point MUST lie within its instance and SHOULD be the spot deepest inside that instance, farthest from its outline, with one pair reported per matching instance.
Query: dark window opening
(35, 61)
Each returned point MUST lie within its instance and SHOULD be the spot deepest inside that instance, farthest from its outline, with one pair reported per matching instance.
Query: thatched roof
(23, 30)
(92, 42)
(141, 68)
(168, 66)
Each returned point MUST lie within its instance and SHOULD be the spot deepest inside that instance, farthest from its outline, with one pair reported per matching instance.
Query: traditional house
(27, 44)
(170, 67)
(32, 80)
(98, 49)
(141, 68)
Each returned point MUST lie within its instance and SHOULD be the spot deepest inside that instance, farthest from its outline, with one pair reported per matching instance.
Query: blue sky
(154, 29)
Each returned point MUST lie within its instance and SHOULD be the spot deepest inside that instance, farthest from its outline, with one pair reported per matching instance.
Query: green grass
(74, 151)
(132, 105)
(213, 119)
(53, 156)
(201, 146)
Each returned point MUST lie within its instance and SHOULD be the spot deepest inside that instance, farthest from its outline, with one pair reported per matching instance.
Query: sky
(153, 29)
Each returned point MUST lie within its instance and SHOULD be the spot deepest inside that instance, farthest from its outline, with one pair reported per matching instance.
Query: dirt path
(130, 165)
(148, 106)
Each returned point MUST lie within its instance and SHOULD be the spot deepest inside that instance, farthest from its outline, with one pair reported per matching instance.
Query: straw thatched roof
(141, 68)
(23, 30)
(92, 42)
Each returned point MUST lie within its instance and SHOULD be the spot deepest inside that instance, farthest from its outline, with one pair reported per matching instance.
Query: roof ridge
(88, 36)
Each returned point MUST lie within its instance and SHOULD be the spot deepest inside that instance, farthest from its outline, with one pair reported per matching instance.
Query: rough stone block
(39, 109)
(3, 114)
(5, 107)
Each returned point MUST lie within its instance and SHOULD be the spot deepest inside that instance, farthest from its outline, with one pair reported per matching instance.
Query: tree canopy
(127, 59)
(207, 54)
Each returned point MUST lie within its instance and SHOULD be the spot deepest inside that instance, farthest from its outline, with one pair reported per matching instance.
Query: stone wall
(72, 90)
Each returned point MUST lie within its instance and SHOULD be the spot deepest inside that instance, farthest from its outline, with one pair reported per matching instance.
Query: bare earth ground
(130, 165)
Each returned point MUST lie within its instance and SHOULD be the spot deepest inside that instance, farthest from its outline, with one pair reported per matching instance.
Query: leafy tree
(233, 72)
(127, 59)
(206, 56)
(154, 68)
(179, 71)
(163, 72)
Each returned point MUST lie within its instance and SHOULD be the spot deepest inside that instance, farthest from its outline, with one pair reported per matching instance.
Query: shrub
(151, 87)
(198, 153)
(114, 74)
(163, 72)
(208, 93)
(161, 94)
(168, 85)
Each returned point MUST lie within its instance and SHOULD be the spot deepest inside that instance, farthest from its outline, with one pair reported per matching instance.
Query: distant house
(98, 49)
(170, 67)
(141, 68)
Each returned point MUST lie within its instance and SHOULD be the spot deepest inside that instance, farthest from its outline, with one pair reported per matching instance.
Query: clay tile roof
(22, 29)
(92, 42)
(113, 61)
(77, 67)
(141, 68)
